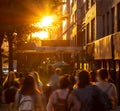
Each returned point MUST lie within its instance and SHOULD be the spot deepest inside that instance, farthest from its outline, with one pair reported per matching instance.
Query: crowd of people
(80, 91)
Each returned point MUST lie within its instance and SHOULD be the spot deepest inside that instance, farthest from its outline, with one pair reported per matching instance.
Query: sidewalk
(4, 108)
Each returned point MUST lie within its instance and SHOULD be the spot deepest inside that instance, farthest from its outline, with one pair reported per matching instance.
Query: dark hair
(21, 75)
(64, 82)
(93, 76)
(72, 82)
(84, 78)
(103, 73)
(28, 87)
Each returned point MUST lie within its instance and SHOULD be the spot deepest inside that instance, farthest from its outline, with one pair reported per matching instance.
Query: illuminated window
(64, 23)
(84, 1)
(64, 8)
(64, 37)
(71, 1)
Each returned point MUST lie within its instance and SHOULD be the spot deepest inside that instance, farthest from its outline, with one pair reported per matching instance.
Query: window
(92, 30)
(103, 25)
(107, 30)
(83, 37)
(112, 19)
(88, 33)
(118, 17)
(75, 16)
(82, 11)
(87, 4)
(92, 2)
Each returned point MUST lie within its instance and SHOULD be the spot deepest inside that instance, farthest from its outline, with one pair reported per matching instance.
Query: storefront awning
(51, 50)
(103, 48)
(116, 43)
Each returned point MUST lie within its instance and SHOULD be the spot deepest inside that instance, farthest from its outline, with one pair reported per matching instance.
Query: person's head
(72, 81)
(35, 75)
(58, 71)
(21, 77)
(102, 74)
(76, 75)
(77, 71)
(28, 87)
(84, 78)
(11, 76)
(64, 82)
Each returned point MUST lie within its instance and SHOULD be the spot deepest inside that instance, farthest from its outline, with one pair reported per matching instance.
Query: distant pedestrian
(76, 73)
(93, 77)
(38, 82)
(39, 85)
(10, 86)
(10, 80)
(21, 78)
(54, 79)
(72, 81)
(104, 85)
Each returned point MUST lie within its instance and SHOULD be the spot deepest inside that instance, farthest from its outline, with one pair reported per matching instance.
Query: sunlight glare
(42, 35)
(47, 21)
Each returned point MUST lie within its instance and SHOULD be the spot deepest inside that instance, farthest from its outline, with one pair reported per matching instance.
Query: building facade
(102, 31)
(102, 36)
(92, 25)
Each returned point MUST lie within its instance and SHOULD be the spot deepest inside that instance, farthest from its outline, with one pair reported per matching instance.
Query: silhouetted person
(103, 84)
(29, 93)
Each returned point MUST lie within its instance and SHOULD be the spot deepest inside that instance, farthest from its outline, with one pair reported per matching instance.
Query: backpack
(61, 104)
(100, 100)
(26, 103)
(106, 100)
